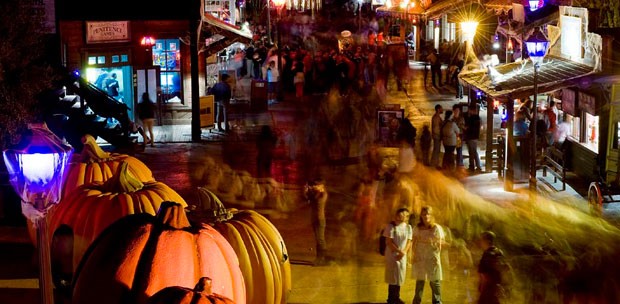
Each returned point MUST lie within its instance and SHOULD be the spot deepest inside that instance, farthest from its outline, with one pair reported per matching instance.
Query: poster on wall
(388, 123)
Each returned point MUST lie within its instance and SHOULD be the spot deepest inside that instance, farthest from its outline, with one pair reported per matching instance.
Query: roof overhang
(222, 35)
(516, 79)
(446, 6)
(499, 6)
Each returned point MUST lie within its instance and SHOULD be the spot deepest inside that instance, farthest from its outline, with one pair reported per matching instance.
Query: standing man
(428, 238)
(398, 236)
(221, 92)
(472, 134)
(436, 124)
(459, 119)
(316, 195)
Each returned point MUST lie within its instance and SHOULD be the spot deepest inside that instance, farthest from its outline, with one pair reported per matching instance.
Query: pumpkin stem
(172, 214)
(91, 151)
(122, 181)
(210, 207)
(204, 286)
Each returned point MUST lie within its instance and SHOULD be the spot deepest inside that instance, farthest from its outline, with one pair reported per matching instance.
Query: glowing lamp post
(536, 45)
(468, 30)
(36, 168)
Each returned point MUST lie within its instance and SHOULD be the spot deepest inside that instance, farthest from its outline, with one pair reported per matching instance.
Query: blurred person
(299, 79)
(398, 235)
(551, 120)
(428, 238)
(520, 127)
(365, 213)
(425, 144)
(471, 136)
(406, 159)
(459, 119)
(493, 271)
(265, 145)
(436, 124)
(449, 134)
(146, 113)
(316, 195)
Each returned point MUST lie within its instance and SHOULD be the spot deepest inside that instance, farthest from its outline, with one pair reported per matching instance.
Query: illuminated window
(616, 135)
(100, 59)
(592, 132)
(115, 59)
(573, 127)
(92, 60)
(167, 55)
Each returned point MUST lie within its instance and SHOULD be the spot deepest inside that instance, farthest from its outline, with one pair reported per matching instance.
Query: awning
(222, 35)
(517, 78)
(499, 6)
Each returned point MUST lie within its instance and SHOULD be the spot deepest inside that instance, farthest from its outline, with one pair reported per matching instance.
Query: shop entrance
(116, 82)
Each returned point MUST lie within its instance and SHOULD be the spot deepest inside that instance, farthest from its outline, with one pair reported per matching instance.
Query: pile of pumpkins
(120, 236)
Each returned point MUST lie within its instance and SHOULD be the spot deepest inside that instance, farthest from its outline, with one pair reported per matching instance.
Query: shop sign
(587, 103)
(107, 31)
(568, 101)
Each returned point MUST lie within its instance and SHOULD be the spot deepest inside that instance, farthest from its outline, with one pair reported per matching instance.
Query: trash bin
(258, 98)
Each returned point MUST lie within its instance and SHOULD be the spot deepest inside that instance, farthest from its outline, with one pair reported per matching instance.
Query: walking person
(398, 236)
(222, 93)
(316, 195)
(495, 274)
(472, 135)
(436, 123)
(428, 238)
(146, 113)
(449, 132)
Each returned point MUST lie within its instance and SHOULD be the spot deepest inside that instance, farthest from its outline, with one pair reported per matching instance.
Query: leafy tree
(24, 71)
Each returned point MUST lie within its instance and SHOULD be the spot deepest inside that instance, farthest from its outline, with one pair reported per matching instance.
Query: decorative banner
(107, 31)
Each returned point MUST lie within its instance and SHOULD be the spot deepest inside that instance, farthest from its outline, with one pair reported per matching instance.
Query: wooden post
(510, 145)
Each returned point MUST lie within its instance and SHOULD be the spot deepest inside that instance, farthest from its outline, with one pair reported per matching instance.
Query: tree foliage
(24, 72)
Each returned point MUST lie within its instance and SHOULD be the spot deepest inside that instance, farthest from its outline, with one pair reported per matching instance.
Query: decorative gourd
(141, 254)
(201, 294)
(91, 208)
(262, 254)
(96, 165)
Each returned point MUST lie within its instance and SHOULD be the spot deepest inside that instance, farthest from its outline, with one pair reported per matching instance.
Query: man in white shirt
(272, 76)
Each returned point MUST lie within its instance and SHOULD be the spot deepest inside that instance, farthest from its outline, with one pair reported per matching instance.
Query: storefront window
(167, 55)
(616, 135)
(592, 132)
(573, 127)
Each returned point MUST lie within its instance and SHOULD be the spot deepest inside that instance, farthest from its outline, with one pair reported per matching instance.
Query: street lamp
(534, 5)
(36, 167)
(536, 45)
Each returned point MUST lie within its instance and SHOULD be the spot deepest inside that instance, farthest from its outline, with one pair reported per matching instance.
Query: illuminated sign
(571, 37)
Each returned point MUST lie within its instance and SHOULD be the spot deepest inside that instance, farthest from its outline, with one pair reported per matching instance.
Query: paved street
(354, 273)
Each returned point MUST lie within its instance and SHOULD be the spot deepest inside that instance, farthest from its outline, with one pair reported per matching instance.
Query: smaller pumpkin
(201, 294)
(95, 165)
(141, 254)
(263, 257)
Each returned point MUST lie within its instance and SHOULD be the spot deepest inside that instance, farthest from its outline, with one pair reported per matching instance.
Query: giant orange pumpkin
(201, 294)
(262, 254)
(141, 254)
(91, 208)
(95, 165)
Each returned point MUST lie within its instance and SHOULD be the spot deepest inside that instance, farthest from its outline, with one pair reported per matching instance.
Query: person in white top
(449, 131)
(428, 238)
(398, 242)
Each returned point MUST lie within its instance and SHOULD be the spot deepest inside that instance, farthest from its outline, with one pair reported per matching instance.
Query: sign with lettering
(107, 31)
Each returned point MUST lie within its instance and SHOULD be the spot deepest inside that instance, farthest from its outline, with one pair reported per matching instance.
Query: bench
(554, 164)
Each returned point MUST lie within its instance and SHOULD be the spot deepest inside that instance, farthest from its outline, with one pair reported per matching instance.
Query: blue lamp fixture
(537, 45)
(37, 167)
(536, 4)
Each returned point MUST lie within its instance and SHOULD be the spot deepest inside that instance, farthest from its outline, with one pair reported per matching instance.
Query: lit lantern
(37, 166)
(535, 4)
(147, 41)
(469, 30)
(537, 45)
